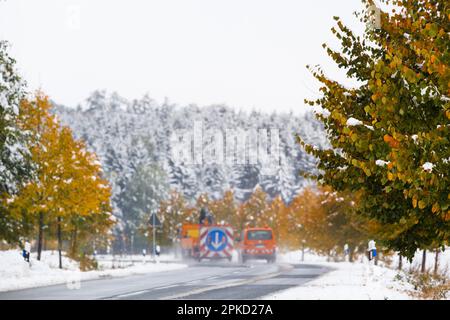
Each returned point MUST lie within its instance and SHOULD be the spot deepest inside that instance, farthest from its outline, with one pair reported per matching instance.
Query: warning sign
(216, 242)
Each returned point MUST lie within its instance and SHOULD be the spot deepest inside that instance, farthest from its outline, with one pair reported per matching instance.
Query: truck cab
(258, 243)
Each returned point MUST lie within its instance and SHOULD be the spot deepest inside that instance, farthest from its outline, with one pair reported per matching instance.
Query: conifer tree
(15, 165)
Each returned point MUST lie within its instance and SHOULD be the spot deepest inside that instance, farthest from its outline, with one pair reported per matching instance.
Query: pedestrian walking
(371, 250)
(26, 251)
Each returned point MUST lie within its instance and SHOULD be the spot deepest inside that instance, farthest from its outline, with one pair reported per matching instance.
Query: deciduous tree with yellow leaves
(224, 210)
(69, 191)
(390, 133)
(325, 221)
(173, 212)
(253, 212)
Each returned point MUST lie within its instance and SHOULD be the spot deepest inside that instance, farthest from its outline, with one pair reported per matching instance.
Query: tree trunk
(436, 261)
(74, 241)
(400, 262)
(59, 242)
(72, 236)
(40, 235)
(424, 261)
(350, 254)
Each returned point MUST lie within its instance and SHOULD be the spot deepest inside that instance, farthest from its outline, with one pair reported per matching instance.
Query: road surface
(205, 280)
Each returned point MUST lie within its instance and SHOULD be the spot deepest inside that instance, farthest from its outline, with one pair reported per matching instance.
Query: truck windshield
(259, 235)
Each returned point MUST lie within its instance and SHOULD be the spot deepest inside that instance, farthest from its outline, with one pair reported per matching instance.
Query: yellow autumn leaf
(390, 176)
(421, 204)
(435, 207)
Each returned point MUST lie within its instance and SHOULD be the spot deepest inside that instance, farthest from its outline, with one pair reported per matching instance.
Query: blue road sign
(216, 240)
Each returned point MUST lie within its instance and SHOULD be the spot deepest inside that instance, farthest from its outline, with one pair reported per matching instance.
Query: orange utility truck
(190, 235)
(203, 241)
(190, 240)
(206, 240)
(257, 243)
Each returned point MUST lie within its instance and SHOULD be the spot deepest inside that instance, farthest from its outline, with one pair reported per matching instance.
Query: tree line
(317, 218)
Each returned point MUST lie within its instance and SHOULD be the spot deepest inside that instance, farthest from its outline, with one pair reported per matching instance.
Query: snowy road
(214, 280)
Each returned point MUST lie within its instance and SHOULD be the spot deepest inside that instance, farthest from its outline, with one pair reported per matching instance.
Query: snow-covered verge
(352, 281)
(16, 274)
(296, 256)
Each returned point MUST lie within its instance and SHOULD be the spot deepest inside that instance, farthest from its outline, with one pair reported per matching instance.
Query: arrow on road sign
(216, 243)
(217, 240)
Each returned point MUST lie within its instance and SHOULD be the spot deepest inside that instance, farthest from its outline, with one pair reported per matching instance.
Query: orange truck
(205, 241)
(257, 243)
(190, 240)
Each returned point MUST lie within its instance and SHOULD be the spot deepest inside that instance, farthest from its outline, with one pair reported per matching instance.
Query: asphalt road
(205, 280)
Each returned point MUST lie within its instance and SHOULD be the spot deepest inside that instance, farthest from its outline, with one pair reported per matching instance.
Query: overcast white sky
(245, 53)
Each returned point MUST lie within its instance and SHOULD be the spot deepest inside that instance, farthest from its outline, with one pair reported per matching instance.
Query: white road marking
(165, 287)
(136, 293)
(131, 294)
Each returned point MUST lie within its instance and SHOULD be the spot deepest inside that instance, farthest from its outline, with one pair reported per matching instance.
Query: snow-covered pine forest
(132, 140)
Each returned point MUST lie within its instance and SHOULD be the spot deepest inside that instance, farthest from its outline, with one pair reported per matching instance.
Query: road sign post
(155, 223)
(154, 234)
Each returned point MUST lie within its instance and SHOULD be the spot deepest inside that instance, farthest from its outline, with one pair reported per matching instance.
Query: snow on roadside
(443, 260)
(296, 256)
(348, 281)
(16, 274)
